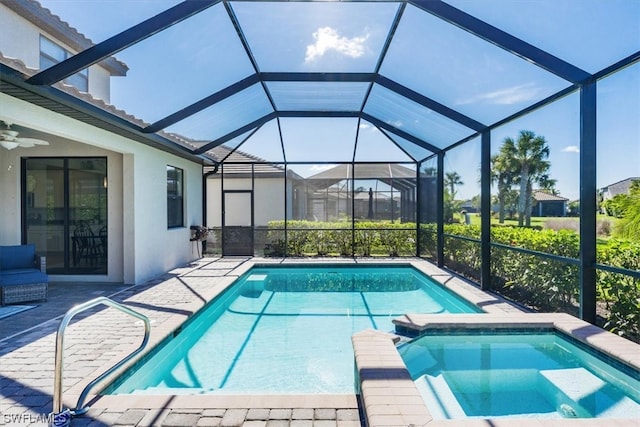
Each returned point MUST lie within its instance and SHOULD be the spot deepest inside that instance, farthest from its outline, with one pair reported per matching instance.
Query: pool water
(287, 330)
(518, 375)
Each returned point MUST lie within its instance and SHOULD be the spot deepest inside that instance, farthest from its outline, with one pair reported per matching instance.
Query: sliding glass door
(65, 212)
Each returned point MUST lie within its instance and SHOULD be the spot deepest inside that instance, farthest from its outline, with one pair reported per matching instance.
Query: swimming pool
(523, 374)
(281, 330)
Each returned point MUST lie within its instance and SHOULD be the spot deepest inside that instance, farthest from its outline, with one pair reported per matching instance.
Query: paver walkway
(100, 337)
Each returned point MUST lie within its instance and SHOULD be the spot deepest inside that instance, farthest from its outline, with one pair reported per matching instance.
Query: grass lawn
(556, 222)
(535, 220)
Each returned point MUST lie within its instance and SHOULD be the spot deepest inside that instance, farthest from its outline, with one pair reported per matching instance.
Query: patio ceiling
(425, 75)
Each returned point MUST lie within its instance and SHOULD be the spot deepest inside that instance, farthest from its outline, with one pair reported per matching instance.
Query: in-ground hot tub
(497, 366)
(518, 373)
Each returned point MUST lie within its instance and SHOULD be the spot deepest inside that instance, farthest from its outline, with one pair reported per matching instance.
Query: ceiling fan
(9, 139)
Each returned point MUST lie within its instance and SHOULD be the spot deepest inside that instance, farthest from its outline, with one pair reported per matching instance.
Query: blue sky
(203, 54)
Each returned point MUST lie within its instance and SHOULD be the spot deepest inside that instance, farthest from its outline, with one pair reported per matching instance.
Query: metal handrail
(57, 384)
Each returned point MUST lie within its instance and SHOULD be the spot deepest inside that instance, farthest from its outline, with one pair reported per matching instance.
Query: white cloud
(327, 38)
(364, 126)
(571, 149)
(508, 96)
(320, 168)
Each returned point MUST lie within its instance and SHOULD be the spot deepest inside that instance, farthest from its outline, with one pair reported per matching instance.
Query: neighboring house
(546, 204)
(383, 192)
(393, 192)
(103, 203)
(244, 194)
(468, 207)
(620, 187)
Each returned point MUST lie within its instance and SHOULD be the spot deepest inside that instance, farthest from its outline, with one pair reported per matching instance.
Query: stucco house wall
(268, 202)
(24, 45)
(140, 244)
(620, 187)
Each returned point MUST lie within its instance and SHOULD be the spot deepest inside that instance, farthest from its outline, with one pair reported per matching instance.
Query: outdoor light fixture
(9, 145)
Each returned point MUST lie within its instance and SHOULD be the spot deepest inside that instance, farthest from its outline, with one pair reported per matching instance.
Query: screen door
(237, 225)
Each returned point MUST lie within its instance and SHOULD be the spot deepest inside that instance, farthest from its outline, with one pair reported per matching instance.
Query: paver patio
(102, 336)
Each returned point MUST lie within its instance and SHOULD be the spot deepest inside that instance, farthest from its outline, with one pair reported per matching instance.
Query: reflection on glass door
(65, 212)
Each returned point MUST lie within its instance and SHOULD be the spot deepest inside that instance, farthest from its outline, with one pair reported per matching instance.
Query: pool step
(441, 402)
(418, 360)
(579, 393)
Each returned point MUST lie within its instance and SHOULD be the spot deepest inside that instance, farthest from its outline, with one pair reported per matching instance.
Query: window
(174, 197)
(51, 54)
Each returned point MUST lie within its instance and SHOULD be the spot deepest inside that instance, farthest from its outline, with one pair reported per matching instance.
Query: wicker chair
(21, 279)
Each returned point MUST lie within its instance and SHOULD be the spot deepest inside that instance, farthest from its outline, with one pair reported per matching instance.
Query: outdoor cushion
(23, 279)
(18, 271)
(20, 256)
(20, 278)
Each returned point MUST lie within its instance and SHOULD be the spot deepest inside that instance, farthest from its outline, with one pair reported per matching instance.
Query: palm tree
(430, 171)
(503, 174)
(548, 185)
(529, 154)
(451, 179)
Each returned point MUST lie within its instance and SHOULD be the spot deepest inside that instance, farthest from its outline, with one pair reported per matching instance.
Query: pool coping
(390, 397)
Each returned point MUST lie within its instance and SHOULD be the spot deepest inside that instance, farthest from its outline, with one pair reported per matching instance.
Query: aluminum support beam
(418, 210)
(588, 188)
(236, 133)
(430, 104)
(202, 104)
(503, 40)
(440, 214)
(120, 41)
(383, 125)
(317, 77)
(485, 210)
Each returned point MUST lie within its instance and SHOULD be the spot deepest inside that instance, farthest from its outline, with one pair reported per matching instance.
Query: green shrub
(618, 292)
(399, 239)
(428, 241)
(367, 238)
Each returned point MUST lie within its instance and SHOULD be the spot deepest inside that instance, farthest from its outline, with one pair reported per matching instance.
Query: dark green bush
(620, 293)
(312, 238)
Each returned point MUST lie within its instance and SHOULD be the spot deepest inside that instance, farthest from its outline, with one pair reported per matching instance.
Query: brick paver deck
(100, 337)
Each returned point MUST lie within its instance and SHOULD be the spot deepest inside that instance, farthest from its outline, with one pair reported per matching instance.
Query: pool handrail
(57, 382)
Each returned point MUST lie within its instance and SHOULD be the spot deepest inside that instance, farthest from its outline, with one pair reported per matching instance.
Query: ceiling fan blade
(31, 141)
(8, 135)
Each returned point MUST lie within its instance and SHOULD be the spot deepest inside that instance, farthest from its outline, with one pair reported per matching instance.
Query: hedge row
(310, 238)
(547, 284)
(539, 282)
(619, 292)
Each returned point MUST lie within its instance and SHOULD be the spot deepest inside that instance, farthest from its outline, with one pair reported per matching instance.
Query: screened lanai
(360, 128)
